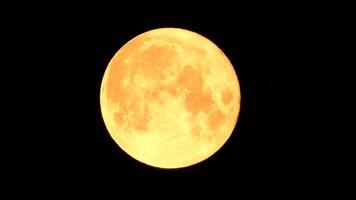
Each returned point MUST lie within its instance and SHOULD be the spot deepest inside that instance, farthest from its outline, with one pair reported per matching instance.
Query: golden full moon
(170, 98)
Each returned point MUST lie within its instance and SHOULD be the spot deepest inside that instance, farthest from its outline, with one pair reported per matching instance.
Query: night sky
(293, 139)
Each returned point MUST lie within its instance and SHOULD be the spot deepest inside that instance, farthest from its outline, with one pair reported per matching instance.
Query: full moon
(170, 98)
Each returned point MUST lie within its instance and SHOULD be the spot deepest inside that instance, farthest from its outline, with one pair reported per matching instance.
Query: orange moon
(170, 98)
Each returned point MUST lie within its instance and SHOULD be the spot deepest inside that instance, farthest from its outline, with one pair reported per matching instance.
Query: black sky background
(294, 136)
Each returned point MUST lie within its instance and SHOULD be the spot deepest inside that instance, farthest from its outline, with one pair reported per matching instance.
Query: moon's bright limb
(170, 98)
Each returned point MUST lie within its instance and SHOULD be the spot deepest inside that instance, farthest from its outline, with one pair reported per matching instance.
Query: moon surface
(170, 98)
